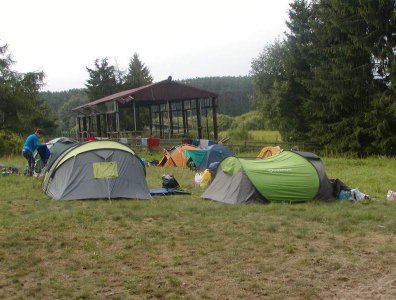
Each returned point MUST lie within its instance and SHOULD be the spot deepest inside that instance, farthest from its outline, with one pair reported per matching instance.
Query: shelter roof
(154, 93)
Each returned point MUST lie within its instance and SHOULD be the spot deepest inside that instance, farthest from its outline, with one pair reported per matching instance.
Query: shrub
(250, 121)
(240, 134)
(224, 122)
(10, 143)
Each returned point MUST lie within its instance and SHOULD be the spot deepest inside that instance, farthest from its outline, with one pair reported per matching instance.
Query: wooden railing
(167, 143)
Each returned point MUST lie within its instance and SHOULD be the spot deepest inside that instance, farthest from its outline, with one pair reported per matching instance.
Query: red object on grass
(153, 143)
(89, 139)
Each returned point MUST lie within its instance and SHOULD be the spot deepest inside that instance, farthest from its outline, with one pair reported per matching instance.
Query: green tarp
(195, 155)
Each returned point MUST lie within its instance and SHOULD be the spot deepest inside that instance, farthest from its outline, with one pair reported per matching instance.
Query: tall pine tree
(138, 74)
(334, 84)
(342, 85)
(294, 125)
(280, 73)
(380, 17)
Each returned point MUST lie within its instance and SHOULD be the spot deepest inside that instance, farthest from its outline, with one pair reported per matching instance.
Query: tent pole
(134, 115)
(169, 119)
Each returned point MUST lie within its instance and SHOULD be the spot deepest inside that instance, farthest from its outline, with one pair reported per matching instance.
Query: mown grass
(175, 247)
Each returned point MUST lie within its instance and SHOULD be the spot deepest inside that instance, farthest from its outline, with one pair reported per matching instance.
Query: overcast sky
(181, 38)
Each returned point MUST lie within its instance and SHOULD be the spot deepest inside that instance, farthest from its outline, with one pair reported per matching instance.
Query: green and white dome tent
(285, 177)
(95, 170)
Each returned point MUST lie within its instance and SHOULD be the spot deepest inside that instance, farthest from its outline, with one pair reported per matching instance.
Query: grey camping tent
(97, 169)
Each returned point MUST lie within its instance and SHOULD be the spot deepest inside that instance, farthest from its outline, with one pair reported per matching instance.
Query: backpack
(168, 181)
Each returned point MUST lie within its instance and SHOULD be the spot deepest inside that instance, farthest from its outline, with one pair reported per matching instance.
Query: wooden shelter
(166, 108)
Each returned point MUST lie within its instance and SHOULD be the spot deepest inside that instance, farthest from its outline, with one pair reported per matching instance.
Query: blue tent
(215, 153)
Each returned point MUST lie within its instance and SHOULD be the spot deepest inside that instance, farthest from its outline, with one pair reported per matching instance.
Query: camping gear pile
(170, 186)
(9, 170)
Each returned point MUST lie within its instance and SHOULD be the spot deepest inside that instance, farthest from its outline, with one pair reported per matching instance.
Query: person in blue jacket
(30, 145)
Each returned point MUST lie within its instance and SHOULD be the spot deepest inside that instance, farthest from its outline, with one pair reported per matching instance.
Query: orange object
(269, 151)
(175, 157)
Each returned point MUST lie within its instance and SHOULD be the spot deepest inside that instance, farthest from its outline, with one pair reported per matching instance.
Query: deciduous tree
(21, 109)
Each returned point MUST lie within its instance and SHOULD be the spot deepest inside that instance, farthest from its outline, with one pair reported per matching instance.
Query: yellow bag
(206, 179)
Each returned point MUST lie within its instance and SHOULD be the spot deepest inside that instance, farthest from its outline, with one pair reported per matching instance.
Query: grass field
(183, 247)
(264, 136)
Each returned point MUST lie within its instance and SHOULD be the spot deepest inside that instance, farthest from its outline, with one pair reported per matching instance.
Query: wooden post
(214, 110)
(207, 122)
(160, 120)
(117, 115)
(84, 123)
(151, 120)
(187, 130)
(106, 124)
(184, 119)
(134, 116)
(199, 125)
(170, 119)
(79, 127)
(98, 126)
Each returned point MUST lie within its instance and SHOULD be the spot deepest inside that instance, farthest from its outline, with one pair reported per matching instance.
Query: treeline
(62, 104)
(331, 80)
(21, 108)
(235, 93)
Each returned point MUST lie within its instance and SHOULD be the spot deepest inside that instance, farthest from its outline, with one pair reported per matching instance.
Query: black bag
(168, 181)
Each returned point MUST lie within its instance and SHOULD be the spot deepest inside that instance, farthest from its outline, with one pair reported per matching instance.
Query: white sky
(181, 38)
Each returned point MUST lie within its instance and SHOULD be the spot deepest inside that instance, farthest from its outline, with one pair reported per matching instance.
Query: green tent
(288, 176)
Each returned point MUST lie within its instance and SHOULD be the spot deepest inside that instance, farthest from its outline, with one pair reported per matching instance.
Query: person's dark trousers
(30, 159)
